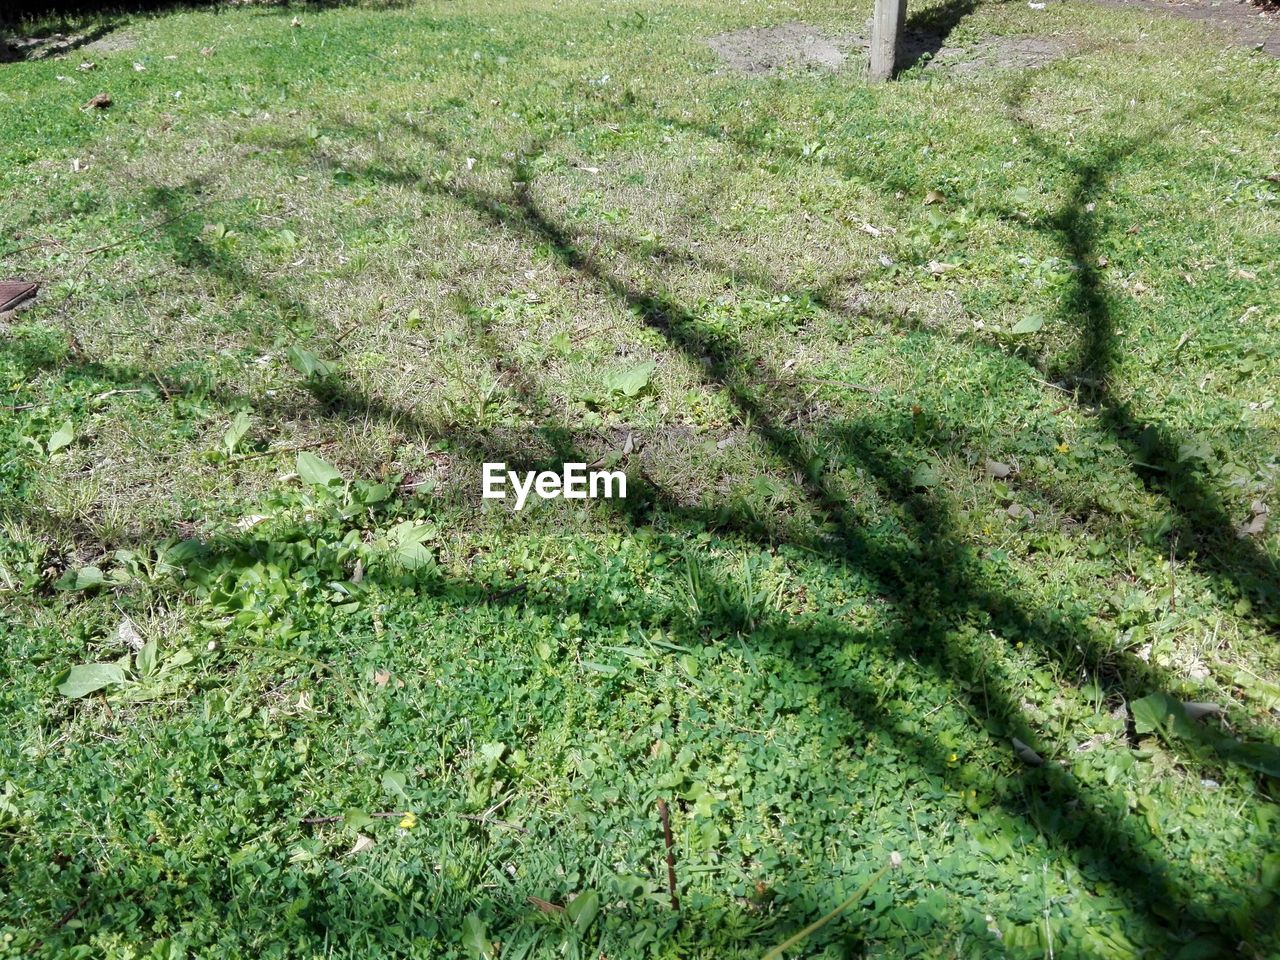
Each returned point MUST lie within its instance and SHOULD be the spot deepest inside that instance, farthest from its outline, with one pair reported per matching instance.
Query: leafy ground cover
(948, 409)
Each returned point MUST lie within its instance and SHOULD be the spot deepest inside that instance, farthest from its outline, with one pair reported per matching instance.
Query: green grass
(408, 240)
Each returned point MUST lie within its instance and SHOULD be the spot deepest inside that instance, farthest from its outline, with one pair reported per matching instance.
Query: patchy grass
(961, 401)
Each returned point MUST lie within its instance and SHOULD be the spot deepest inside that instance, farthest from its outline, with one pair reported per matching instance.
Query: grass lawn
(948, 410)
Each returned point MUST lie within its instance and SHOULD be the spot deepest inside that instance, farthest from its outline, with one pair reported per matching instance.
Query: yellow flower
(1063, 447)
(953, 758)
(408, 821)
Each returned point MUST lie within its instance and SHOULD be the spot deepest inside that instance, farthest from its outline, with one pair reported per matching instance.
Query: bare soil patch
(788, 46)
(799, 46)
(102, 39)
(1245, 24)
(113, 43)
(994, 53)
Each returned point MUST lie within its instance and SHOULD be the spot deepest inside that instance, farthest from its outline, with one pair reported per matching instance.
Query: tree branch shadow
(933, 583)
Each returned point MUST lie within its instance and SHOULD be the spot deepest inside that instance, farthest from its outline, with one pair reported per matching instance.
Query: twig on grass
(138, 234)
(296, 448)
(546, 906)
(71, 914)
(671, 857)
(500, 595)
(777, 952)
(399, 814)
(1051, 386)
(63, 920)
(49, 242)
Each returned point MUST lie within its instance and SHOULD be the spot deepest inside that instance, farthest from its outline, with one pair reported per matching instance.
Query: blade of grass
(777, 952)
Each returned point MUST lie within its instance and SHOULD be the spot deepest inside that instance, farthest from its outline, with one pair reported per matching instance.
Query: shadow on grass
(1203, 533)
(927, 30)
(84, 19)
(942, 610)
(44, 47)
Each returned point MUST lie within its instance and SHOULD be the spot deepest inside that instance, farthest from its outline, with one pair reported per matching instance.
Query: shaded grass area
(816, 624)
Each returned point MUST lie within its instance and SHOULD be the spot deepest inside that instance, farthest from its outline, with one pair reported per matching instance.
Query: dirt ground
(790, 45)
(1246, 24)
(798, 45)
(102, 39)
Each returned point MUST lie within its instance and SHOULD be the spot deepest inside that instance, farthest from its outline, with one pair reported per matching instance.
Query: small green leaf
(370, 493)
(356, 819)
(475, 938)
(85, 578)
(407, 543)
(317, 472)
(394, 783)
(147, 658)
(924, 475)
(492, 752)
(308, 364)
(631, 381)
(1263, 757)
(1028, 324)
(88, 678)
(61, 438)
(582, 910)
(235, 433)
(414, 556)
(1021, 196)
(1161, 713)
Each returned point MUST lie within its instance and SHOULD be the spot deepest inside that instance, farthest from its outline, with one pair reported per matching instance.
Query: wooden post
(886, 29)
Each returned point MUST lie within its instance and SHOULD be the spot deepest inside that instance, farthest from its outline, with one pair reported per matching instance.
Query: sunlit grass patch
(948, 414)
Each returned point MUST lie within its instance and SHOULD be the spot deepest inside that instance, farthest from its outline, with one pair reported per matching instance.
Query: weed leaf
(1161, 713)
(631, 381)
(393, 782)
(308, 364)
(235, 433)
(407, 543)
(475, 938)
(925, 475)
(88, 678)
(317, 472)
(147, 659)
(86, 578)
(61, 438)
(356, 819)
(583, 908)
